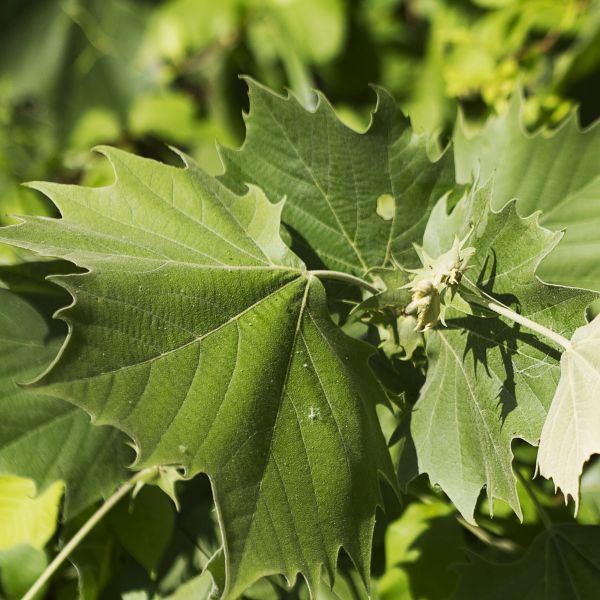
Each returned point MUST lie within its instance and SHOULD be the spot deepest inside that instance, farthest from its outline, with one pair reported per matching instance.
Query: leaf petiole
(140, 477)
(346, 278)
(521, 320)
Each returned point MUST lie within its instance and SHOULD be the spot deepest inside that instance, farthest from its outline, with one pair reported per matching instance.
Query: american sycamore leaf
(354, 199)
(571, 433)
(562, 564)
(197, 332)
(45, 438)
(489, 381)
(556, 172)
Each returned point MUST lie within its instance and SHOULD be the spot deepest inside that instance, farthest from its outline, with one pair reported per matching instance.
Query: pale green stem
(521, 320)
(346, 278)
(85, 529)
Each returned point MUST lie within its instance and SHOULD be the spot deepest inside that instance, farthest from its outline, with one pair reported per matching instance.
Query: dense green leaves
(354, 199)
(555, 172)
(43, 437)
(489, 381)
(198, 333)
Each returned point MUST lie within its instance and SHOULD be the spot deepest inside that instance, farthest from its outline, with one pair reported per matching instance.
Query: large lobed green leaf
(353, 199)
(197, 332)
(489, 381)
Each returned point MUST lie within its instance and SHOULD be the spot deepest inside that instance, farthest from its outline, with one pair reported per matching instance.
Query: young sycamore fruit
(432, 283)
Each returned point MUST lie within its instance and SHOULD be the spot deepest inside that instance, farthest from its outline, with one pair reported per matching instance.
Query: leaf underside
(198, 333)
(570, 433)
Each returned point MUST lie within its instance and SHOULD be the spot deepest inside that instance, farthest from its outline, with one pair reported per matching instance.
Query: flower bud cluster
(435, 284)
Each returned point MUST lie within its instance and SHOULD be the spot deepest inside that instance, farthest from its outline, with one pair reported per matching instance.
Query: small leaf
(571, 433)
(144, 526)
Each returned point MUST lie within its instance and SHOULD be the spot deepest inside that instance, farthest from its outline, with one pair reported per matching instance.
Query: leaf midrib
(268, 453)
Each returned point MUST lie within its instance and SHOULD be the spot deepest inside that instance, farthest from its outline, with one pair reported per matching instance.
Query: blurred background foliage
(142, 74)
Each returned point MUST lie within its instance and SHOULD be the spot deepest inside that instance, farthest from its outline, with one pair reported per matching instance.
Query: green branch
(521, 320)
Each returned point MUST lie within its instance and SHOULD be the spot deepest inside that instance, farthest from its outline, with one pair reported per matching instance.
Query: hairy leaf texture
(42, 437)
(353, 199)
(198, 333)
(489, 381)
(571, 433)
(556, 172)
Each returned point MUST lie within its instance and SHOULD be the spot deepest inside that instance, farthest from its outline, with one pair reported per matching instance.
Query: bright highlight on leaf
(198, 333)
(571, 433)
(386, 207)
